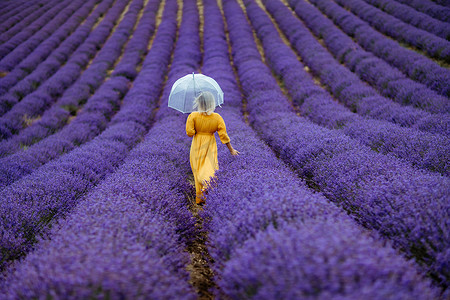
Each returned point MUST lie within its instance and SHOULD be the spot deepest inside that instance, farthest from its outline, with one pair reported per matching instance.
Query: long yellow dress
(203, 155)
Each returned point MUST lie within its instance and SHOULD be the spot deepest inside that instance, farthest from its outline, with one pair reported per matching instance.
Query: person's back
(203, 156)
(204, 123)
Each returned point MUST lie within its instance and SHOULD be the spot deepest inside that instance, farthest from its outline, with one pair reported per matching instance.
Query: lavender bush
(426, 150)
(99, 207)
(47, 46)
(331, 261)
(432, 45)
(413, 17)
(388, 80)
(70, 102)
(429, 7)
(413, 64)
(9, 10)
(129, 239)
(257, 204)
(74, 174)
(32, 71)
(381, 192)
(33, 104)
(21, 16)
(37, 29)
(44, 42)
(143, 191)
(345, 85)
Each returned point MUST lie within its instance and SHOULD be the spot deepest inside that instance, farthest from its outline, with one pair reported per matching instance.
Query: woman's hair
(205, 102)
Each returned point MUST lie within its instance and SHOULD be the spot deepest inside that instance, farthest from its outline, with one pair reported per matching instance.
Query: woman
(202, 124)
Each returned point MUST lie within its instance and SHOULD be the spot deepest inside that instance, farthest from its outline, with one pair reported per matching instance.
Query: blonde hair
(205, 102)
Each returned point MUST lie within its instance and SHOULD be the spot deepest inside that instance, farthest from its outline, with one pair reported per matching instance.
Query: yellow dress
(203, 154)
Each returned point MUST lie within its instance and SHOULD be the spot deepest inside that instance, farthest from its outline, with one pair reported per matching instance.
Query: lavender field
(341, 112)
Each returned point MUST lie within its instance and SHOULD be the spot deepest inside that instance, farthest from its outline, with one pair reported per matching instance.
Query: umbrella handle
(193, 79)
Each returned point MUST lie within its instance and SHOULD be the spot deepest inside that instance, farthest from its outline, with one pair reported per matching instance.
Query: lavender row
(94, 116)
(258, 228)
(442, 2)
(411, 16)
(33, 29)
(434, 46)
(72, 99)
(425, 150)
(122, 249)
(14, 7)
(33, 202)
(36, 102)
(9, 12)
(45, 47)
(143, 205)
(355, 265)
(346, 86)
(388, 80)
(416, 66)
(379, 191)
(248, 201)
(136, 48)
(429, 7)
(23, 16)
(24, 49)
(34, 71)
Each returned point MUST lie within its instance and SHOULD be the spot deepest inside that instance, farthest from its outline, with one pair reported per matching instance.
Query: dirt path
(202, 277)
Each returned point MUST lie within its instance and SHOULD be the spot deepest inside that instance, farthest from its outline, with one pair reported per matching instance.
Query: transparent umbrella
(186, 88)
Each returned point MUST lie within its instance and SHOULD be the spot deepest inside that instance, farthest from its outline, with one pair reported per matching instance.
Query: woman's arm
(222, 131)
(232, 150)
(190, 128)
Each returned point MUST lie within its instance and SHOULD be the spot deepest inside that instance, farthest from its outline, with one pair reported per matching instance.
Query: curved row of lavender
(33, 70)
(62, 110)
(388, 80)
(18, 13)
(19, 17)
(28, 61)
(74, 97)
(416, 66)
(32, 202)
(430, 151)
(429, 7)
(432, 45)
(32, 35)
(148, 186)
(411, 16)
(131, 229)
(406, 205)
(346, 86)
(55, 29)
(269, 235)
(35, 103)
(13, 8)
(94, 116)
(53, 117)
(442, 2)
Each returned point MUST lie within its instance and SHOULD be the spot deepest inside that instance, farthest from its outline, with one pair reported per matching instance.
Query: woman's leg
(199, 197)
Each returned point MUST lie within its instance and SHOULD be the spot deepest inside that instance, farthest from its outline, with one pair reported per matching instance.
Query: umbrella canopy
(186, 88)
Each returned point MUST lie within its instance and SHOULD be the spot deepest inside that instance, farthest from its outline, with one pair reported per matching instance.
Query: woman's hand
(234, 152)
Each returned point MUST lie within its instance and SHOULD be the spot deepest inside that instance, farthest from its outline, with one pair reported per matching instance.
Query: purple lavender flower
(431, 8)
(413, 17)
(432, 45)
(416, 66)
(381, 192)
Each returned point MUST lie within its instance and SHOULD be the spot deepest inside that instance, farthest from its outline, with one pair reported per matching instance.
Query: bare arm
(232, 150)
